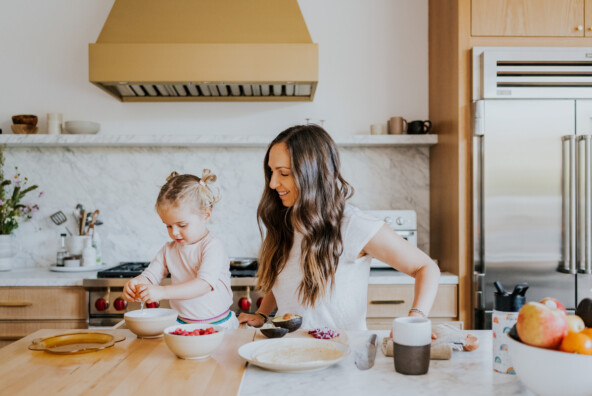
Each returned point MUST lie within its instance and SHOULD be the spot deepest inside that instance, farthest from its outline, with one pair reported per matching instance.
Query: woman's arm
(267, 306)
(388, 247)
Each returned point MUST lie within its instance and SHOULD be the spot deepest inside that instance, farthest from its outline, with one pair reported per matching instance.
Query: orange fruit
(576, 343)
(587, 331)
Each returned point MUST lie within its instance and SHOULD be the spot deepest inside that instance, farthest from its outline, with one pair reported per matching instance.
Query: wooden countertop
(133, 366)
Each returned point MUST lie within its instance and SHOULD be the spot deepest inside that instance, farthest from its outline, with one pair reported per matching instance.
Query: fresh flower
(12, 211)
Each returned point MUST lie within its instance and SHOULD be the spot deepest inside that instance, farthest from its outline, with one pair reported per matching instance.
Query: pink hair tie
(202, 183)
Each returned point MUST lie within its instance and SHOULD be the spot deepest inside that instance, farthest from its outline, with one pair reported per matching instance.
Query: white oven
(404, 222)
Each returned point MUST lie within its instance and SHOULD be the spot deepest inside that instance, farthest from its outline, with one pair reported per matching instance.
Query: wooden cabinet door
(588, 18)
(559, 18)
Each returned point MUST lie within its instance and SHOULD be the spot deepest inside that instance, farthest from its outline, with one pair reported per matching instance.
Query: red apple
(553, 303)
(541, 326)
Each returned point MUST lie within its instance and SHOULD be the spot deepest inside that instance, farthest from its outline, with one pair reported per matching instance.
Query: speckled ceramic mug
(412, 339)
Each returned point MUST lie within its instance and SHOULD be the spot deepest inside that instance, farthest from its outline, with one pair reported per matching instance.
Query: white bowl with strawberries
(193, 341)
(552, 351)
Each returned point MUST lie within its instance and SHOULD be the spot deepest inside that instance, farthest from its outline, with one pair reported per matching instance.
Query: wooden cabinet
(24, 310)
(386, 302)
(588, 18)
(531, 18)
(451, 39)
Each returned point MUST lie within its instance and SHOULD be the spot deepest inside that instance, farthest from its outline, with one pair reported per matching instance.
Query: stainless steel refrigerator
(532, 174)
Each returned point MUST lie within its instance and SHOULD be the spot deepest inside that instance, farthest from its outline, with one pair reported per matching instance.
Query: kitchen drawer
(43, 303)
(14, 329)
(390, 301)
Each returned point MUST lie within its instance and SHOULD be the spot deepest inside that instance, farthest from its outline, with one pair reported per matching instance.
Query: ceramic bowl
(193, 347)
(81, 127)
(149, 322)
(24, 129)
(25, 119)
(549, 372)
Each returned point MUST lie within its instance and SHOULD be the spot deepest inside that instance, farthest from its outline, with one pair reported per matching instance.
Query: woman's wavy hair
(316, 214)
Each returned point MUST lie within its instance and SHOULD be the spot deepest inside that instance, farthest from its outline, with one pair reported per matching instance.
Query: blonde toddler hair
(188, 189)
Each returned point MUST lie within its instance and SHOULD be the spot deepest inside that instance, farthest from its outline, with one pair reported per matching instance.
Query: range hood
(205, 50)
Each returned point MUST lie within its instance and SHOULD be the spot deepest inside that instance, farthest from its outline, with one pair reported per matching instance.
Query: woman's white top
(345, 306)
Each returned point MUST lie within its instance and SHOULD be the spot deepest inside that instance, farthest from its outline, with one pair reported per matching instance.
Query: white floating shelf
(100, 140)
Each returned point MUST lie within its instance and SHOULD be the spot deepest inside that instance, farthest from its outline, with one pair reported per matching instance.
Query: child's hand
(129, 290)
(150, 293)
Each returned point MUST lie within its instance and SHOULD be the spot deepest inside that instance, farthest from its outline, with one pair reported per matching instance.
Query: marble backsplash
(124, 182)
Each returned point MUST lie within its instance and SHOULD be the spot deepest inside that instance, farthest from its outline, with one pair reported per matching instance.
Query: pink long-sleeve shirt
(206, 260)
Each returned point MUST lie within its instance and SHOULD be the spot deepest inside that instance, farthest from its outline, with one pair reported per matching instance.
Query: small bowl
(274, 332)
(82, 127)
(24, 129)
(549, 372)
(291, 324)
(150, 322)
(193, 347)
(25, 119)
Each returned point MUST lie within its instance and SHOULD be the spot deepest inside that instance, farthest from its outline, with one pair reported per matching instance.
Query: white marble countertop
(44, 277)
(467, 373)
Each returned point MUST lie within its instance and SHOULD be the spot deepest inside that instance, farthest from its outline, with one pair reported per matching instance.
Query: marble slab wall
(124, 182)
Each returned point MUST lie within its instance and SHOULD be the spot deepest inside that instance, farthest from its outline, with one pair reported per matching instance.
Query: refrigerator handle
(569, 205)
(584, 152)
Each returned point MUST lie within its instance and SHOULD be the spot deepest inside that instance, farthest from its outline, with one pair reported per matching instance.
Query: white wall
(373, 65)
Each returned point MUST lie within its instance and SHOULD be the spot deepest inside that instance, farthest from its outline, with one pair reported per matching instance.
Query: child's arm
(213, 260)
(181, 291)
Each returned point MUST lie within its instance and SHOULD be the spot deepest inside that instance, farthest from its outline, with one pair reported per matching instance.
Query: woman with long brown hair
(316, 251)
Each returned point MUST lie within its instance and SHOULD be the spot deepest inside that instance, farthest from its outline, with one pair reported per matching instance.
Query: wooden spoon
(92, 221)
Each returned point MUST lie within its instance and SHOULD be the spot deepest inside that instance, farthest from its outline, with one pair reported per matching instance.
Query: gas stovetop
(132, 269)
(128, 269)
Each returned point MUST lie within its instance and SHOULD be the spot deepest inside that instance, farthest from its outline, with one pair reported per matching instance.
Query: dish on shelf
(75, 342)
(24, 129)
(84, 268)
(82, 127)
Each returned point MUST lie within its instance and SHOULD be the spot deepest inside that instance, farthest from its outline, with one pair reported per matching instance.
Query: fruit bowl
(193, 346)
(550, 372)
(150, 322)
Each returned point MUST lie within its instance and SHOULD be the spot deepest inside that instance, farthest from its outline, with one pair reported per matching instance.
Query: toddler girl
(200, 291)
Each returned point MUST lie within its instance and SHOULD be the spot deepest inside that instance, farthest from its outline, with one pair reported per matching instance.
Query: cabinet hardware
(15, 304)
(387, 302)
(580, 28)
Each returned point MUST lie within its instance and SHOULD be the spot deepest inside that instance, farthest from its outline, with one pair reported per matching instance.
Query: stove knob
(259, 301)
(101, 304)
(400, 221)
(244, 304)
(120, 304)
(152, 305)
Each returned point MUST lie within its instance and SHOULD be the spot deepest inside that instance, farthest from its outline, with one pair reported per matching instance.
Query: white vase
(7, 252)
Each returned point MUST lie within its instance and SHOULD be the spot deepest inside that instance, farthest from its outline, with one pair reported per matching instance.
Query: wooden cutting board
(131, 367)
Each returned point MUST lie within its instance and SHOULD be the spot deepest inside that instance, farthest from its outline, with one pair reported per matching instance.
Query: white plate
(85, 268)
(254, 350)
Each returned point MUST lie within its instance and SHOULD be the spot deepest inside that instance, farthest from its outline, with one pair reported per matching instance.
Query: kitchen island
(142, 366)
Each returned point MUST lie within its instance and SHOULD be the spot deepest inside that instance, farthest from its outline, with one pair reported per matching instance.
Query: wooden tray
(75, 343)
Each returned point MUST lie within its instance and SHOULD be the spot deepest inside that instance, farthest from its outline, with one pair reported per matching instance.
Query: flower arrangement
(12, 211)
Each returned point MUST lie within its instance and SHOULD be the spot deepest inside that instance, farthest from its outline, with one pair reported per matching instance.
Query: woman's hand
(151, 293)
(251, 320)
